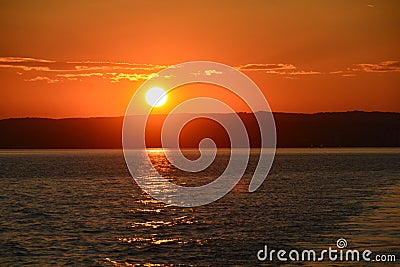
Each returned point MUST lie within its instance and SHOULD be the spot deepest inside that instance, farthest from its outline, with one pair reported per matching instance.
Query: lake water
(82, 208)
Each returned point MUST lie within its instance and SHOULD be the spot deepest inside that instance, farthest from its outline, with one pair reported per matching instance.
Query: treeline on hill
(337, 129)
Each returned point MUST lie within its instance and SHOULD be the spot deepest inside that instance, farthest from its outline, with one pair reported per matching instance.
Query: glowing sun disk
(156, 97)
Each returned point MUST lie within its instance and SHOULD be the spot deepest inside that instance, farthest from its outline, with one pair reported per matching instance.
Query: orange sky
(87, 58)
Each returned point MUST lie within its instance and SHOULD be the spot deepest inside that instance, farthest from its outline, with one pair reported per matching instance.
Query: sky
(87, 58)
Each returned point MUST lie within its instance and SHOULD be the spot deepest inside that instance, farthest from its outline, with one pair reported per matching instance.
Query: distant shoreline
(278, 150)
(326, 130)
(161, 114)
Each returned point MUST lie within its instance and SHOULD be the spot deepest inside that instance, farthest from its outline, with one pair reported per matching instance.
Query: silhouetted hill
(338, 129)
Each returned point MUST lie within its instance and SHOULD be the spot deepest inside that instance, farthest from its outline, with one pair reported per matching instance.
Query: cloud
(267, 67)
(345, 73)
(79, 70)
(302, 72)
(22, 59)
(385, 66)
(117, 77)
(75, 75)
(107, 66)
(33, 64)
(112, 76)
(36, 70)
(78, 76)
(211, 72)
(289, 70)
(41, 78)
(28, 64)
(25, 68)
(280, 69)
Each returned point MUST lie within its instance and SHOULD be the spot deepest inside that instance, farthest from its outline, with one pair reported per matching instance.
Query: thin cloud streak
(78, 70)
(279, 69)
(385, 66)
(23, 59)
(43, 70)
(42, 78)
(266, 67)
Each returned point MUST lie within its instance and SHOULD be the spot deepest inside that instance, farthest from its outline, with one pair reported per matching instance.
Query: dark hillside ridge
(336, 129)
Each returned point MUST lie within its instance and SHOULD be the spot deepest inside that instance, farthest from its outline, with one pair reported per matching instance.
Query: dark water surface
(81, 207)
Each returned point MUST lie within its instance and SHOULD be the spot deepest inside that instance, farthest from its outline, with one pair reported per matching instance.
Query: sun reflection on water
(155, 150)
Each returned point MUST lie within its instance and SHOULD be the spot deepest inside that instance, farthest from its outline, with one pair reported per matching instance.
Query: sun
(156, 97)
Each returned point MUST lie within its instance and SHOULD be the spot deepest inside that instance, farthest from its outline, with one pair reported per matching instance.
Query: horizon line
(187, 113)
